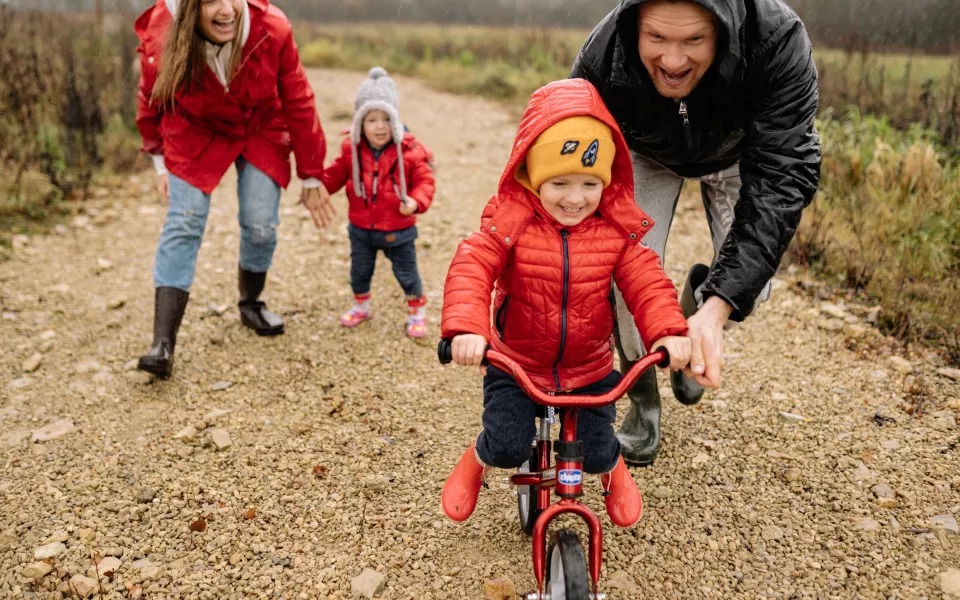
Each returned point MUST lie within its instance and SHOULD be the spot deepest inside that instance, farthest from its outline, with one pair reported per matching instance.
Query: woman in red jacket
(221, 83)
(562, 226)
(389, 182)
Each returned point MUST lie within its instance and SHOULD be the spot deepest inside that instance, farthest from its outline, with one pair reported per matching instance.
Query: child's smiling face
(571, 198)
(376, 128)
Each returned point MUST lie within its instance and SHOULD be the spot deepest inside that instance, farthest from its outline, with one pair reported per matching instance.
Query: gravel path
(282, 468)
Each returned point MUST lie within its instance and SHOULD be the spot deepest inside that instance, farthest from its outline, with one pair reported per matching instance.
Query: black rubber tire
(527, 497)
(565, 561)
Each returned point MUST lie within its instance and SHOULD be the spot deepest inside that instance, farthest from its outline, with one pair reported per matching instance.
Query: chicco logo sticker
(590, 156)
(570, 477)
(569, 147)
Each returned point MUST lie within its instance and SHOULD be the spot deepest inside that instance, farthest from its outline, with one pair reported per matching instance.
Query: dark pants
(398, 246)
(509, 424)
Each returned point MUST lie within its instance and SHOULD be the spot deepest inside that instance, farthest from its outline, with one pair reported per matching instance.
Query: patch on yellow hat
(581, 144)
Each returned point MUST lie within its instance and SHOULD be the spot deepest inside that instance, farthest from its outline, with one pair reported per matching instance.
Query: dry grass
(886, 224)
(66, 112)
(510, 63)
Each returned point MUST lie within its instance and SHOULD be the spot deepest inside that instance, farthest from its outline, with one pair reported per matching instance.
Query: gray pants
(657, 191)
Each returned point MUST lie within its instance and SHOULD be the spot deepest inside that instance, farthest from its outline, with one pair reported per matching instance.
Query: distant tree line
(923, 25)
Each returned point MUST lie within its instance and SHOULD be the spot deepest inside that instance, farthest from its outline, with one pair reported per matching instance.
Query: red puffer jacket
(553, 313)
(267, 99)
(381, 209)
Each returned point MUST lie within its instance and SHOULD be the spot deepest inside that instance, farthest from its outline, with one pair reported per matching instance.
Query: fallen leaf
(250, 514)
(199, 525)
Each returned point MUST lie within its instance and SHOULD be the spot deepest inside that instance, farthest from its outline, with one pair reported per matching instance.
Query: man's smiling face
(678, 42)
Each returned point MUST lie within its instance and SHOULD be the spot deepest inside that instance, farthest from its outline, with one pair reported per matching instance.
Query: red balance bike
(561, 569)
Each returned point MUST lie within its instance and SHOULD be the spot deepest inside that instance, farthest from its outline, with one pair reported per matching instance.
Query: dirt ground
(340, 440)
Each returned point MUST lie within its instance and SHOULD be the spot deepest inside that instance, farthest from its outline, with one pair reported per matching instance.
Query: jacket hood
(553, 103)
(730, 16)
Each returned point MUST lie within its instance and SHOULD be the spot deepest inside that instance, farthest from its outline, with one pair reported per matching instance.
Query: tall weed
(67, 107)
(886, 222)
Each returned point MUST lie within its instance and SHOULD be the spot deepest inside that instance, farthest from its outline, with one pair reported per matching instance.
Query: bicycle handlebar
(660, 358)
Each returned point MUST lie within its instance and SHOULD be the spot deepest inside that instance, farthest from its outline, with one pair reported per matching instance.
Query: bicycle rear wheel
(527, 495)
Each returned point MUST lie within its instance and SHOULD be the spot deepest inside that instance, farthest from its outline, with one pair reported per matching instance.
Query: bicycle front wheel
(567, 577)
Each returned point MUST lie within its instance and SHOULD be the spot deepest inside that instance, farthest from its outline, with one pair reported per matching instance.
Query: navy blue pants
(398, 246)
(509, 424)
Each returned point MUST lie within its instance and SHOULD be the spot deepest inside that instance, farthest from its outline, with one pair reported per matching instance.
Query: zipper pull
(564, 233)
(686, 123)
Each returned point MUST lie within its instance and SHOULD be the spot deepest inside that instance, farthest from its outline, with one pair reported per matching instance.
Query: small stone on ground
(368, 584)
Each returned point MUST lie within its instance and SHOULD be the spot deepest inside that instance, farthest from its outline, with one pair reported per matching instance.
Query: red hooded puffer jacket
(381, 210)
(267, 99)
(552, 311)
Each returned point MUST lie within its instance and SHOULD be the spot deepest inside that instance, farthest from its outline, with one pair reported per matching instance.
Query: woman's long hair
(184, 57)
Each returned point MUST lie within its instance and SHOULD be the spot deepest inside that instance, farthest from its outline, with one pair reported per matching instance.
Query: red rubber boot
(462, 489)
(621, 496)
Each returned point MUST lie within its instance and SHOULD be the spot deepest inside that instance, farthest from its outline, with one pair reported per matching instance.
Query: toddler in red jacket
(389, 181)
(562, 226)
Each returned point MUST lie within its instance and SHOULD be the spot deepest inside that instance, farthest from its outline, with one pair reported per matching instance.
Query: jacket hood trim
(515, 205)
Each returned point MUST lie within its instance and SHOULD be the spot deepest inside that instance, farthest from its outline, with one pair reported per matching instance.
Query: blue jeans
(187, 213)
(509, 424)
(398, 246)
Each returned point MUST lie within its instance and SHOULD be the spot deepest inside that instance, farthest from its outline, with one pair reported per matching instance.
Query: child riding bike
(562, 226)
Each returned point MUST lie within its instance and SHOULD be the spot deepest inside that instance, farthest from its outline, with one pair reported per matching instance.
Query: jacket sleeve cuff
(455, 326)
(421, 205)
(738, 314)
(310, 183)
(159, 165)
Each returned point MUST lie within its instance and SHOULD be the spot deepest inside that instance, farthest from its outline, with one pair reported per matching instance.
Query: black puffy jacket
(755, 104)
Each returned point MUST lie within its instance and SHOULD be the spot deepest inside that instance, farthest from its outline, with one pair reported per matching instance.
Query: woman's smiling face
(219, 19)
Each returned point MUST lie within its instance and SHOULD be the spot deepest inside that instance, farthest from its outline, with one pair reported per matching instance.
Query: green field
(510, 63)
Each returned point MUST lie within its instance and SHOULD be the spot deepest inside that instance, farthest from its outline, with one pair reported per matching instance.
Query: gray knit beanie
(377, 93)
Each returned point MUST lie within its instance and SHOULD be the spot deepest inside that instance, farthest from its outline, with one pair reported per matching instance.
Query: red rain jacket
(553, 313)
(267, 99)
(381, 210)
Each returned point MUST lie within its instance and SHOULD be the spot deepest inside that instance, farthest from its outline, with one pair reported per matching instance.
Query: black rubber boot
(687, 390)
(639, 434)
(167, 314)
(253, 312)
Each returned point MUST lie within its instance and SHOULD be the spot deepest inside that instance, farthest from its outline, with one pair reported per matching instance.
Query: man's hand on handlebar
(679, 348)
(469, 350)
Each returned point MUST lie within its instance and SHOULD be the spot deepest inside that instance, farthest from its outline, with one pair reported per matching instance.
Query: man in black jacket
(723, 91)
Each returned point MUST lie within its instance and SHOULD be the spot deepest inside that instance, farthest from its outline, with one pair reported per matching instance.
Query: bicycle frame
(567, 477)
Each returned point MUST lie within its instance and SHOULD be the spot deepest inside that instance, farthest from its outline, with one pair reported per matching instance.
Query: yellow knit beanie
(580, 144)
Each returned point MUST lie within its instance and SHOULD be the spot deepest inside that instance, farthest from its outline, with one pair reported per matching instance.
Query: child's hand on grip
(679, 348)
(468, 350)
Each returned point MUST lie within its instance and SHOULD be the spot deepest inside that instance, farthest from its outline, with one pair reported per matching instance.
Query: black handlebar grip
(445, 352)
(663, 364)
